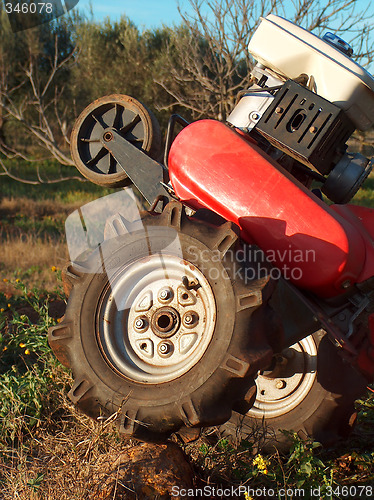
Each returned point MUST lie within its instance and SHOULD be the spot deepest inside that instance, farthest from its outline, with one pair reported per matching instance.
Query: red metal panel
(363, 220)
(214, 167)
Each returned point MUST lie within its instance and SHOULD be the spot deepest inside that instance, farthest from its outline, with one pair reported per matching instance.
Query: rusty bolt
(108, 136)
(281, 384)
(255, 116)
(313, 130)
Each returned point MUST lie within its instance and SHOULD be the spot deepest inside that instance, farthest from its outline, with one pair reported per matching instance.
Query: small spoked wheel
(126, 115)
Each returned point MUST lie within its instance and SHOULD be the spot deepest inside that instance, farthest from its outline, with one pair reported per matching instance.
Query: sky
(150, 13)
(147, 13)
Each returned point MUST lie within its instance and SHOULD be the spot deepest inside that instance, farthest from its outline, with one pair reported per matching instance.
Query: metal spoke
(124, 130)
(117, 117)
(89, 140)
(99, 120)
(97, 157)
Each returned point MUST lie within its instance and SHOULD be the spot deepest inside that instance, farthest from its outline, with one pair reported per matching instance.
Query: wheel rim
(284, 387)
(152, 326)
(126, 116)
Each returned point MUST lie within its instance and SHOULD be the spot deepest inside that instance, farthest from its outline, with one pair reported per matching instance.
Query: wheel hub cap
(151, 326)
(284, 387)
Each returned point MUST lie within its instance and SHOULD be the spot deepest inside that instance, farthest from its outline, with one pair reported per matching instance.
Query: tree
(34, 69)
(208, 60)
(118, 57)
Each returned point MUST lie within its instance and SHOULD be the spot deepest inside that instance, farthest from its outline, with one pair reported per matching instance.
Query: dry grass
(31, 259)
(63, 458)
(68, 456)
(36, 208)
(28, 253)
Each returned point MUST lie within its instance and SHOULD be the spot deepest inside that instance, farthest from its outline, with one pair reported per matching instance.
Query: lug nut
(164, 349)
(190, 319)
(140, 324)
(108, 136)
(165, 294)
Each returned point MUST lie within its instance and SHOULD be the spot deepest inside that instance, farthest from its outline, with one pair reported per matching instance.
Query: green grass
(70, 191)
(26, 359)
(365, 195)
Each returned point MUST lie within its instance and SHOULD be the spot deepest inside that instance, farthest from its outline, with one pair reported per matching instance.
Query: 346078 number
(29, 8)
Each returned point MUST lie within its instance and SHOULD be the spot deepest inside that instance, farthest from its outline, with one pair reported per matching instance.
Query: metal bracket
(146, 174)
(334, 332)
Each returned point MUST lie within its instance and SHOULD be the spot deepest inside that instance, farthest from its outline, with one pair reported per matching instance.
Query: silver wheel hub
(284, 387)
(157, 319)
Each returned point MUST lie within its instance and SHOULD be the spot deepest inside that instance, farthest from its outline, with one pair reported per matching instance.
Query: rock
(148, 471)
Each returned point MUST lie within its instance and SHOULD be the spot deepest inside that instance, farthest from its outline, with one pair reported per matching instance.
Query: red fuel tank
(320, 248)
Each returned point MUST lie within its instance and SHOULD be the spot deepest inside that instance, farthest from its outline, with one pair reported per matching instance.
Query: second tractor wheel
(161, 331)
(308, 389)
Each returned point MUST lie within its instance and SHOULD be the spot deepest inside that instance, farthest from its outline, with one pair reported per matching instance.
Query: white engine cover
(290, 50)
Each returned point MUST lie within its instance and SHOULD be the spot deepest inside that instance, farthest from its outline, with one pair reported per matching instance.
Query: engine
(306, 99)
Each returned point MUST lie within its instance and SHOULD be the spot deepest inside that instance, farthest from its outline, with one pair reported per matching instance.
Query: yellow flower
(27, 352)
(5, 348)
(22, 345)
(59, 320)
(54, 269)
(2, 310)
(9, 305)
(261, 464)
(17, 280)
(5, 280)
(246, 496)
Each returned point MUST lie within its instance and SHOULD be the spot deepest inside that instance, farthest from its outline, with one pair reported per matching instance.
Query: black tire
(132, 119)
(322, 407)
(153, 400)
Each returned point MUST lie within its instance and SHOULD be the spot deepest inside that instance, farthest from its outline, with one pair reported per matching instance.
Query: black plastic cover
(306, 126)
